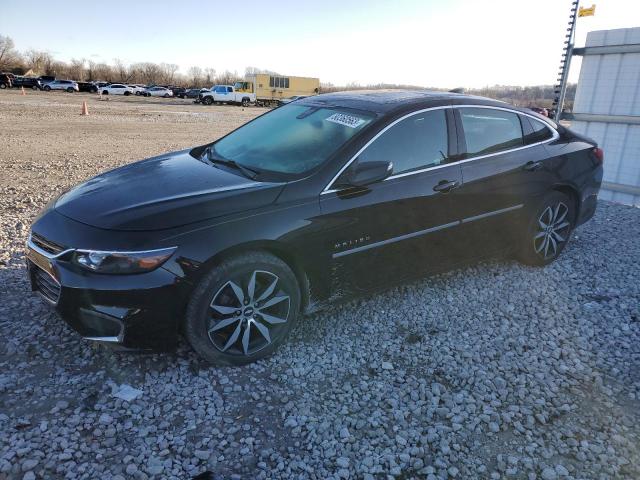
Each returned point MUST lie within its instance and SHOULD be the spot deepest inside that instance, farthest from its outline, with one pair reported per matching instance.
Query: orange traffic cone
(85, 109)
(23, 92)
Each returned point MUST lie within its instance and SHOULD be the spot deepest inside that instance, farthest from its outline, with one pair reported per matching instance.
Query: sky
(436, 43)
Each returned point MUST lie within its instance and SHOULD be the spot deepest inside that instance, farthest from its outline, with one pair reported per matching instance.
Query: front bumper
(140, 311)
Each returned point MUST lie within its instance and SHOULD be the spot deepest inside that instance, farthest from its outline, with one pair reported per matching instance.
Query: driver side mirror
(363, 174)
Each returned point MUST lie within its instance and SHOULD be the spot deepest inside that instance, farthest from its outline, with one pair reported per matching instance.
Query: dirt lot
(494, 371)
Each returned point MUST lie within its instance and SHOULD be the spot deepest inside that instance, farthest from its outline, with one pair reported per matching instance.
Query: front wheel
(166, 95)
(47, 88)
(34, 87)
(549, 230)
(126, 94)
(207, 100)
(70, 90)
(105, 92)
(243, 309)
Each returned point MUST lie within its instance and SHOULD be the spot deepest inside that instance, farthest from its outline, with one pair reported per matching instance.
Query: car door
(398, 227)
(503, 171)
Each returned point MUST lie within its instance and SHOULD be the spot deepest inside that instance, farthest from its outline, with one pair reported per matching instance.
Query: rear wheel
(126, 94)
(207, 100)
(166, 95)
(34, 87)
(243, 309)
(70, 90)
(47, 88)
(105, 92)
(549, 230)
(245, 102)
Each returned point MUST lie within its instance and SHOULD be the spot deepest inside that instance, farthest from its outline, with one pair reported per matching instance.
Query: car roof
(390, 101)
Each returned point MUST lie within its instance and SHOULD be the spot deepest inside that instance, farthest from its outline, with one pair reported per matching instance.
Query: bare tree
(227, 78)
(210, 74)
(150, 72)
(39, 61)
(9, 57)
(168, 72)
(76, 69)
(195, 76)
(122, 71)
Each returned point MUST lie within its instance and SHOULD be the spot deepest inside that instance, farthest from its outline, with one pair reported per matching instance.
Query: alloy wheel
(553, 229)
(248, 314)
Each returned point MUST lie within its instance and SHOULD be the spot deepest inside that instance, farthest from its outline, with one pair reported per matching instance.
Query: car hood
(163, 192)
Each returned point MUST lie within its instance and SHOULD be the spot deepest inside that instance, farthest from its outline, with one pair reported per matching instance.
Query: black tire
(105, 92)
(245, 102)
(548, 230)
(207, 100)
(138, 93)
(3, 86)
(47, 88)
(272, 280)
(126, 94)
(70, 90)
(166, 95)
(34, 87)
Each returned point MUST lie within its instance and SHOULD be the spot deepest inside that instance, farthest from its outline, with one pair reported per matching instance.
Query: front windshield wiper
(246, 171)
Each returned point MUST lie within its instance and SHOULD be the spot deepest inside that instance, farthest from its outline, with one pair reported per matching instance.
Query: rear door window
(488, 130)
(419, 141)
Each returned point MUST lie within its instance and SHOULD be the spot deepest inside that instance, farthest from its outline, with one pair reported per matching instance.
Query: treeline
(538, 96)
(43, 63)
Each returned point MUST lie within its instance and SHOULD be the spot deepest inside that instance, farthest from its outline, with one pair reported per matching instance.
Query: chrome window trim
(555, 136)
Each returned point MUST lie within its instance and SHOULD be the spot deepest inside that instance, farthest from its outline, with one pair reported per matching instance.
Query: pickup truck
(226, 94)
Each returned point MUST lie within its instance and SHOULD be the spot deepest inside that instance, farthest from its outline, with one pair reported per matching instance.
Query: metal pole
(567, 61)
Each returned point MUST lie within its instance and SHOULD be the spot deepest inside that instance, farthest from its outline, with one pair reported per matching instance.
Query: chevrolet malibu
(328, 197)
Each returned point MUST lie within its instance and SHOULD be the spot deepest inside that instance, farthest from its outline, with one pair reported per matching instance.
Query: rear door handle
(532, 166)
(446, 186)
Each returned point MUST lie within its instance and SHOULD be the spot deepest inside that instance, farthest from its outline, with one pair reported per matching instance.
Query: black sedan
(27, 82)
(328, 197)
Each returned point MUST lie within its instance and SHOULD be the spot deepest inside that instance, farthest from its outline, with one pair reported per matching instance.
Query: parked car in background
(117, 89)
(194, 92)
(66, 85)
(88, 87)
(324, 198)
(6, 80)
(226, 94)
(27, 82)
(158, 92)
(138, 89)
(284, 101)
(178, 91)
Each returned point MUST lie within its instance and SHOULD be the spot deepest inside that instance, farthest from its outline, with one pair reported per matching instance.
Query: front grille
(46, 245)
(48, 287)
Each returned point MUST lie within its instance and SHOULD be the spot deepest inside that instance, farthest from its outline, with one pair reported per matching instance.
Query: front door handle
(445, 186)
(532, 166)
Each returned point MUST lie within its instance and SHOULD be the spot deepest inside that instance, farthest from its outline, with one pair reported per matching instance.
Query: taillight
(599, 154)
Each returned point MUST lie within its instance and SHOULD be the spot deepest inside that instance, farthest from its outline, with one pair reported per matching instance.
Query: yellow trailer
(271, 88)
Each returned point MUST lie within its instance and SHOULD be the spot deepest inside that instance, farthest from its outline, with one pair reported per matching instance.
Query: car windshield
(292, 139)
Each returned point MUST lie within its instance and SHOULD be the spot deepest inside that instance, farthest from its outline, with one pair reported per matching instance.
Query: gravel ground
(493, 371)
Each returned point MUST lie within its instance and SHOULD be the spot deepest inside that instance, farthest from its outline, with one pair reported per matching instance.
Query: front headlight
(122, 262)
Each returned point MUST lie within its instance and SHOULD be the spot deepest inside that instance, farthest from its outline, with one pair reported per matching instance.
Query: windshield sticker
(346, 120)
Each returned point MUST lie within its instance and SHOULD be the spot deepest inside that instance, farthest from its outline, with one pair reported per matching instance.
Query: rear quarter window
(539, 131)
